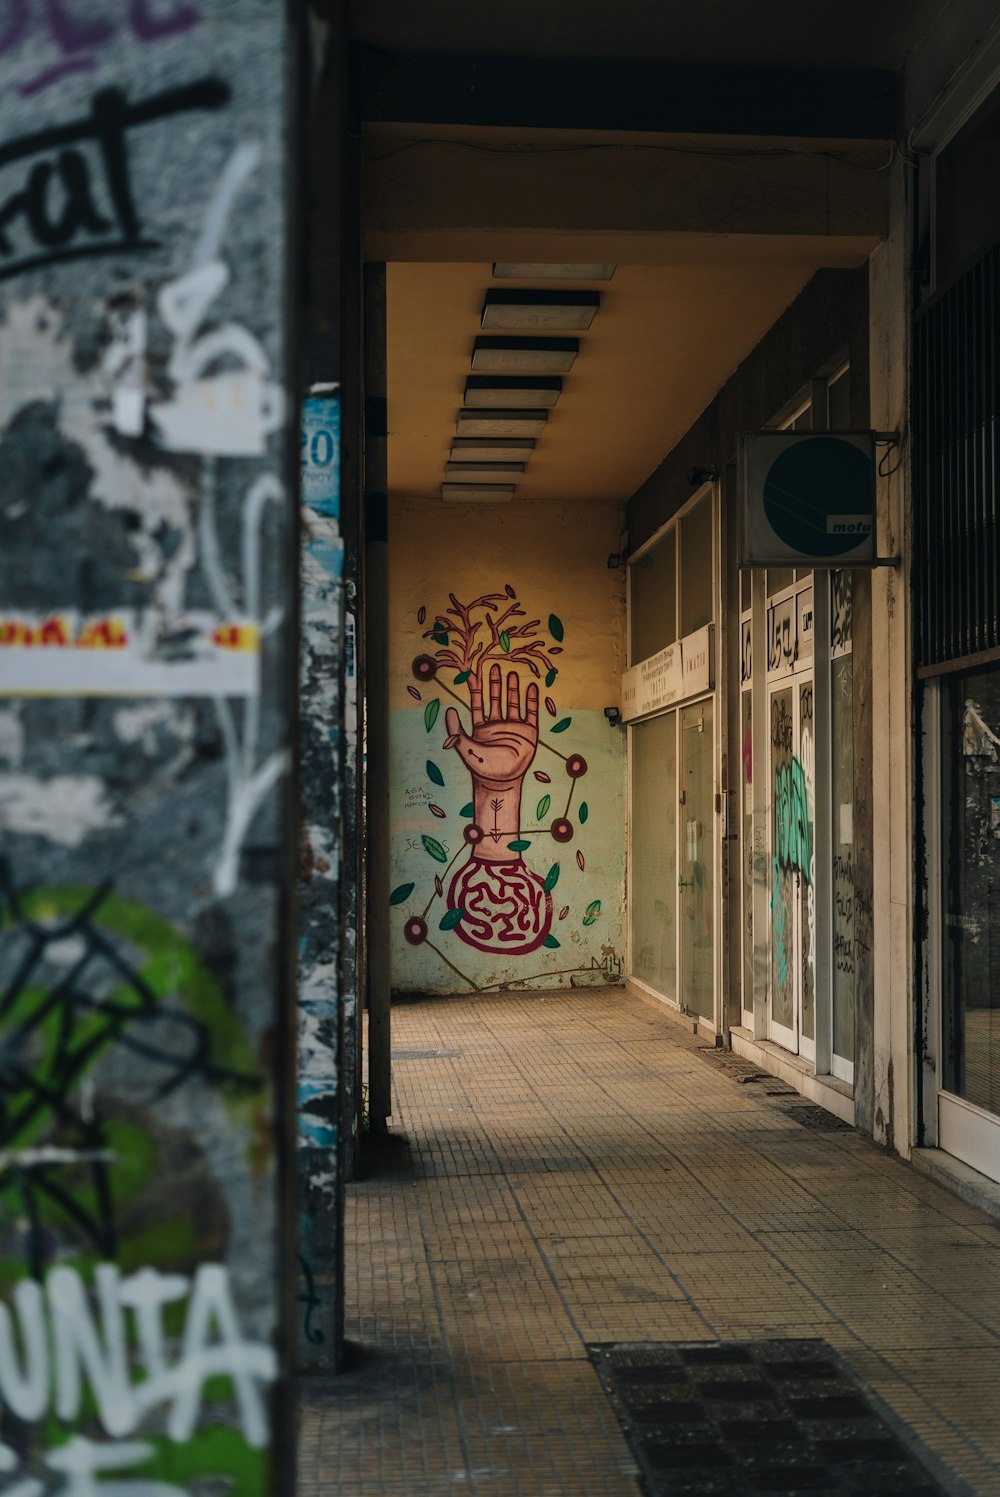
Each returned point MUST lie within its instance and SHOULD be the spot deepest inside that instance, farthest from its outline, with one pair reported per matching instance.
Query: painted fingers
(513, 713)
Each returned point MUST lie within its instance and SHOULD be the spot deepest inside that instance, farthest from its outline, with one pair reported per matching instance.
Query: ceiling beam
(587, 94)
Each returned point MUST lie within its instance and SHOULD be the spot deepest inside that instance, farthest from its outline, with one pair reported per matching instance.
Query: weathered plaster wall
(147, 598)
(469, 909)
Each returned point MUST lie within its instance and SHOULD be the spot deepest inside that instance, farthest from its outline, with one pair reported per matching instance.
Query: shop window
(842, 787)
(696, 572)
(653, 598)
(971, 887)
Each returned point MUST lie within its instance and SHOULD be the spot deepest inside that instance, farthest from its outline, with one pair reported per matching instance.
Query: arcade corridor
(580, 1169)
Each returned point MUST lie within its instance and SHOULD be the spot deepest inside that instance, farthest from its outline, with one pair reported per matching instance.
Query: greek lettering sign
(682, 670)
(652, 684)
(807, 498)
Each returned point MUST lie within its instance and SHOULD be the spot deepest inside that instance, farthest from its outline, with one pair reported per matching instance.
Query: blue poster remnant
(320, 1148)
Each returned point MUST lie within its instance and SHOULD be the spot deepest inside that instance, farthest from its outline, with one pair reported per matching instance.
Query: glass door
(653, 862)
(696, 860)
(792, 903)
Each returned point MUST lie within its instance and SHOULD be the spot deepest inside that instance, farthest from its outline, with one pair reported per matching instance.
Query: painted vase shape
(507, 907)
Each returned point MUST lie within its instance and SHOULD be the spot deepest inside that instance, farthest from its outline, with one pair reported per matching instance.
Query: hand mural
(497, 756)
(495, 902)
(506, 906)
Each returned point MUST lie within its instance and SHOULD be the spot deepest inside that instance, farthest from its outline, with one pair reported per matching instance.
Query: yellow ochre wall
(553, 913)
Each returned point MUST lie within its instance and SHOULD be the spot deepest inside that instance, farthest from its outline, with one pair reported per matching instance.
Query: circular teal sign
(818, 497)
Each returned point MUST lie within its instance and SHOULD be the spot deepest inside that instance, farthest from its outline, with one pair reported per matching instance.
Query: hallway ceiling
(665, 340)
(852, 33)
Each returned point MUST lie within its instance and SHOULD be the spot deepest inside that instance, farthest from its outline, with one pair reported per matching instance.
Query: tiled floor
(580, 1171)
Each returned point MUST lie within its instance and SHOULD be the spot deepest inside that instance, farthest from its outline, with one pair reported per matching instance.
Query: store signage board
(652, 684)
(696, 655)
(671, 675)
(807, 498)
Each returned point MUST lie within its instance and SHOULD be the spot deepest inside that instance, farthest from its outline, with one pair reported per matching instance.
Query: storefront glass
(654, 853)
(971, 887)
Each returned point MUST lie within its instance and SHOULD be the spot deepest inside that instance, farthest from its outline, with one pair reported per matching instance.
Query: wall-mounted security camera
(613, 716)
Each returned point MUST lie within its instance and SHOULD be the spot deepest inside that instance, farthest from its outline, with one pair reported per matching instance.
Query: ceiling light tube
(499, 391)
(492, 449)
(484, 472)
(530, 309)
(480, 493)
(518, 271)
(524, 355)
(494, 423)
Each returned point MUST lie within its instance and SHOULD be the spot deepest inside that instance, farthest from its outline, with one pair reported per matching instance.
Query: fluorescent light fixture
(483, 472)
(494, 423)
(489, 493)
(531, 309)
(510, 270)
(491, 449)
(524, 355)
(500, 391)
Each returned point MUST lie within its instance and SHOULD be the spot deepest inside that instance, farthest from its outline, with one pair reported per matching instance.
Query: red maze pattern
(506, 906)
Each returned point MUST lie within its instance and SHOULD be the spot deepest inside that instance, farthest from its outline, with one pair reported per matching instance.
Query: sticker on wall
(495, 892)
(128, 652)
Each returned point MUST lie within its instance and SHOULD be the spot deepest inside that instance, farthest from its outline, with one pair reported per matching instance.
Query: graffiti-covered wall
(146, 692)
(507, 809)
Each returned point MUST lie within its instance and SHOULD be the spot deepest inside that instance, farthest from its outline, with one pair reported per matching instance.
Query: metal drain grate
(759, 1417)
(817, 1118)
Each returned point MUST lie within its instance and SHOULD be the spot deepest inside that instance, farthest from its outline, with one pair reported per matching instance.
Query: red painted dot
(473, 833)
(562, 830)
(415, 931)
(576, 765)
(424, 668)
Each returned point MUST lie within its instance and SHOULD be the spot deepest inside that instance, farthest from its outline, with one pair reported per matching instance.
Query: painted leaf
(542, 809)
(550, 941)
(462, 677)
(561, 725)
(583, 812)
(518, 846)
(414, 693)
(434, 848)
(433, 773)
(450, 741)
(421, 614)
(468, 809)
(438, 885)
(581, 861)
(504, 641)
(450, 919)
(545, 779)
(400, 893)
(564, 912)
(440, 638)
(555, 626)
(550, 706)
(556, 650)
(552, 877)
(550, 676)
(593, 910)
(509, 590)
(436, 810)
(431, 713)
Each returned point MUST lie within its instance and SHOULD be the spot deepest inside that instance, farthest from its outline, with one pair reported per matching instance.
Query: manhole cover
(760, 1416)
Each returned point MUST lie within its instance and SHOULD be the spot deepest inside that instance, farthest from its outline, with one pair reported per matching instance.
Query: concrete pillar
(148, 692)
